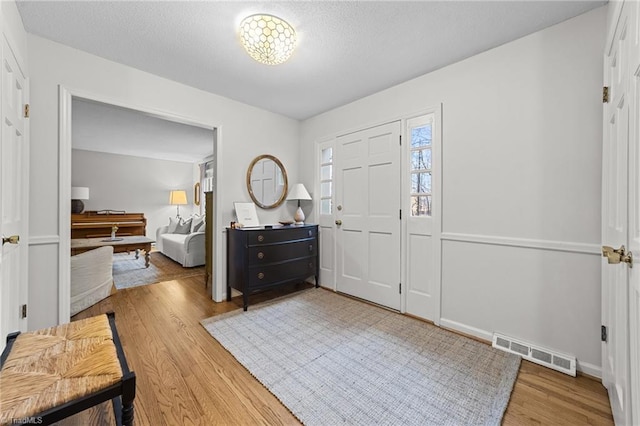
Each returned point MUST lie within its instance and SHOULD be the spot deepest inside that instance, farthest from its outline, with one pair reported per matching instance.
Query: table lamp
(299, 192)
(78, 193)
(178, 198)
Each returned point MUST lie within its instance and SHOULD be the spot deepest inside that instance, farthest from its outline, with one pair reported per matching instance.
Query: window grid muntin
(421, 200)
(326, 203)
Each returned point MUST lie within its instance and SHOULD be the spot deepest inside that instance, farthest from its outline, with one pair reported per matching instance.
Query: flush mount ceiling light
(267, 39)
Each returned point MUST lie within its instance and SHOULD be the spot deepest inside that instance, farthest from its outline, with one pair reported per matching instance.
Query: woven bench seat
(53, 373)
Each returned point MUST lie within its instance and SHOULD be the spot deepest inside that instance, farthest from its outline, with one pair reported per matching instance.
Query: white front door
(13, 179)
(368, 214)
(619, 313)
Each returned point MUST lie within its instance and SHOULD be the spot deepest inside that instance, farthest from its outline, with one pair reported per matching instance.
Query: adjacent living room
(135, 177)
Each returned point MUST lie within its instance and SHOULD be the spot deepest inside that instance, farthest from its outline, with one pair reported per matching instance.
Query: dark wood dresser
(261, 258)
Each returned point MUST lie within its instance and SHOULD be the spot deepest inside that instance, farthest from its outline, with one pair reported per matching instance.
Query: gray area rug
(334, 360)
(130, 272)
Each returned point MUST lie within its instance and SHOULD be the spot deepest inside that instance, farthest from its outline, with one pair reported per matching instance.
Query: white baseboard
(583, 367)
(466, 329)
(590, 369)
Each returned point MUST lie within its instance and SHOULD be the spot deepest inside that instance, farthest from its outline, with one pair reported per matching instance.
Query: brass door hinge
(605, 94)
(23, 311)
(26, 110)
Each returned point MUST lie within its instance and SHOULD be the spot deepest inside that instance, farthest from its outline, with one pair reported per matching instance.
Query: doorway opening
(116, 149)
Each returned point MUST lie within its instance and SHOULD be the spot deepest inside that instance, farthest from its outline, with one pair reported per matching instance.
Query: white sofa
(91, 277)
(186, 249)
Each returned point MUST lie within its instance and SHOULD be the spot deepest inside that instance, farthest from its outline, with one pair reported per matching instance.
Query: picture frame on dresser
(246, 214)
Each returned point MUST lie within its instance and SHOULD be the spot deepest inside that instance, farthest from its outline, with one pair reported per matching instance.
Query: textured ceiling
(346, 49)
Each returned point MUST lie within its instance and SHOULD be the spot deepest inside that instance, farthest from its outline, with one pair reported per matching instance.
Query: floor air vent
(533, 353)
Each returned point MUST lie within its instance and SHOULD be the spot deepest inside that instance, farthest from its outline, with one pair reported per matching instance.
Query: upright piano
(94, 224)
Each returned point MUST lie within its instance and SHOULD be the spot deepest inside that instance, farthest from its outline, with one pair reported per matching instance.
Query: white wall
(133, 184)
(521, 183)
(244, 132)
(11, 26)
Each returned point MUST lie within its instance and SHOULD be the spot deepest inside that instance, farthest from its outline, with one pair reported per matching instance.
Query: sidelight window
(421, 150)
(326, 180)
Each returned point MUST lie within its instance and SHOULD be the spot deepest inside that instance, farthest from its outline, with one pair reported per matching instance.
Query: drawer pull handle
(310, 233)
(310, 265)
(261, 255)
(261, 238)
(310, 247)
(260, 276)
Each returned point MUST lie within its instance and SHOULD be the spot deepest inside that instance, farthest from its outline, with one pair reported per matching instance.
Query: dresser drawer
(279, 235)
(260, 255)
(288, 271)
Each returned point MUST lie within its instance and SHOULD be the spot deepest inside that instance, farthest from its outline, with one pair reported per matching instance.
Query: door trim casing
(66, 94)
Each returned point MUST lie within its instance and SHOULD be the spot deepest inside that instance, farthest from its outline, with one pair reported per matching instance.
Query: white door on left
(13, 185)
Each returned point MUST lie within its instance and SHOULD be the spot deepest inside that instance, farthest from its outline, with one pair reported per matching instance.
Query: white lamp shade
(178, 197)
(298, 192)
(79, 193)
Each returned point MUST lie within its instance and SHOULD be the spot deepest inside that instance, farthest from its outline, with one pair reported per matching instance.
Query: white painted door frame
(66, 95)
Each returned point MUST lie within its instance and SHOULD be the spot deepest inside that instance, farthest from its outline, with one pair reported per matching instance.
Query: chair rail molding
(43, 240)
(565, 246)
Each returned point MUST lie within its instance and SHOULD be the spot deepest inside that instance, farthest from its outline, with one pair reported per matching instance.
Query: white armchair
(91, 277)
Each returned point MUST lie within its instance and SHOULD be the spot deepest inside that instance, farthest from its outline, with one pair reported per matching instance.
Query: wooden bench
(50, 374)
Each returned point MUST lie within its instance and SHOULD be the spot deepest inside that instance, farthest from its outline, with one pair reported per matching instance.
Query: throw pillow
(173, 224)
(197, 224)
(183, 227)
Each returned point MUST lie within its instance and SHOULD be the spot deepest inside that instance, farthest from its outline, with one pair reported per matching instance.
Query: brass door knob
(14, 239)
(260, 276)
(261, 255)
(615, 256)
(338, 222)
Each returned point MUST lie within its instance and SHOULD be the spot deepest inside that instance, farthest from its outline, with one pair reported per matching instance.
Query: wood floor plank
(184, 376)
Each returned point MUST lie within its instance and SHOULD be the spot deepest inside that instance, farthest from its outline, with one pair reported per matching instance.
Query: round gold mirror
(267, 181)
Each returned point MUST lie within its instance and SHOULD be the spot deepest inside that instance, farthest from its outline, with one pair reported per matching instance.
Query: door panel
(368, 192)
(423, 229)
(618, 308)
(327, 207)
(13, 172)
(634, 214)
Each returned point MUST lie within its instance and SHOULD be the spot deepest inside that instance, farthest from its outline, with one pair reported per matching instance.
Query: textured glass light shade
(267, 39)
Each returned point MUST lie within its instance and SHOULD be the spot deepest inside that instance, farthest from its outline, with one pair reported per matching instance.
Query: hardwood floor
(186, 377)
